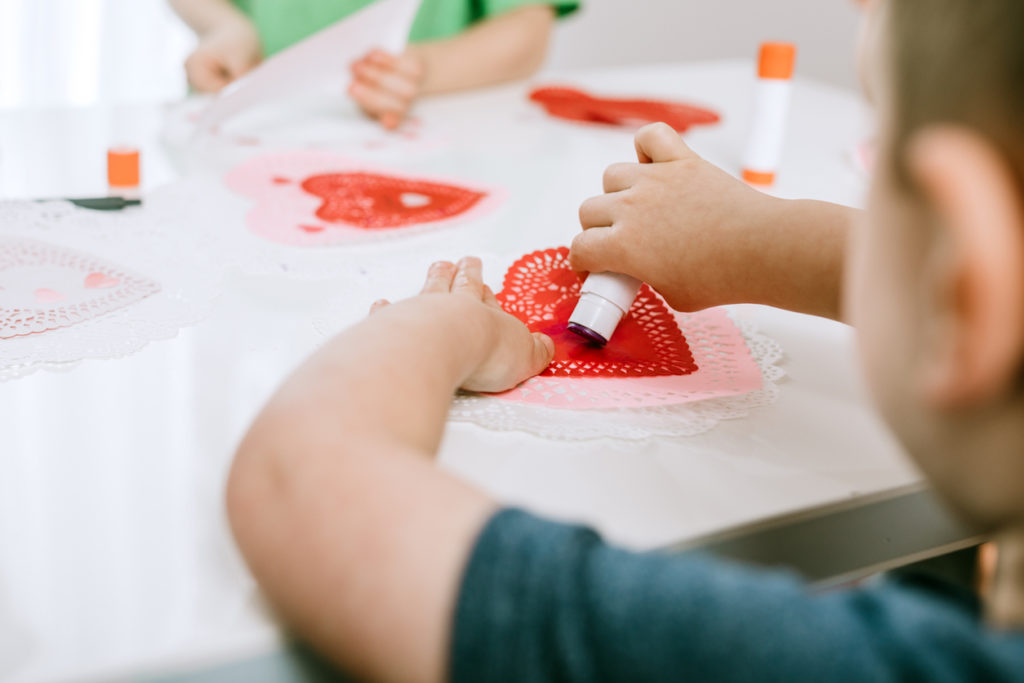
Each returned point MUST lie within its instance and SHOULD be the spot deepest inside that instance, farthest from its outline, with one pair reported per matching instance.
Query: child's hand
(506, 352)
(386, 85)
(223, 55)
(677, 222)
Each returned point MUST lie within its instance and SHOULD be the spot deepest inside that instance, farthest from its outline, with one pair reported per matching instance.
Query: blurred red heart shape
(379, 202)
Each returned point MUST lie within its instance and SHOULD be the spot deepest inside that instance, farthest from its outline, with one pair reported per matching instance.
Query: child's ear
(976, 276)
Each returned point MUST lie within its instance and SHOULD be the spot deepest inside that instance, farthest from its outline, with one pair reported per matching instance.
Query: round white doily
(136, 240)
(690, 416)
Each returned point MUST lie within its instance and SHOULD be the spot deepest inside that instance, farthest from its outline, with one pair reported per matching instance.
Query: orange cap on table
(776, 61)
(759, 177)
(123, 167)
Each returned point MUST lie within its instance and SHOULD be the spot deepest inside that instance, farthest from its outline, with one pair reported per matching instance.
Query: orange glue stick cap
(123, 167)
(777, 61)
(759, 177)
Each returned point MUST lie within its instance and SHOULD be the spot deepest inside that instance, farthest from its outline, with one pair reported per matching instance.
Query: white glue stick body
(771, 108)
(605, 299)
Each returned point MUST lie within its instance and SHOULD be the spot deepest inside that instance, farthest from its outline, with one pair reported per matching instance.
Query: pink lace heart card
(45, 287)
(317, 199)
(656, 357)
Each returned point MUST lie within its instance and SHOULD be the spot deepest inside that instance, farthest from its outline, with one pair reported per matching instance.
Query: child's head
(936, 279)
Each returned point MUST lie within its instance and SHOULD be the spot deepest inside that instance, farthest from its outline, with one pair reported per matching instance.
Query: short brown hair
(958, 62)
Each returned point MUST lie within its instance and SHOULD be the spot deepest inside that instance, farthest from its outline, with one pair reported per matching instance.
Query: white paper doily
(180, 262)
(682, 419)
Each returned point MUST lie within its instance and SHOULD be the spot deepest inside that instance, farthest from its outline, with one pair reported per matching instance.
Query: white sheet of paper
(321, 60)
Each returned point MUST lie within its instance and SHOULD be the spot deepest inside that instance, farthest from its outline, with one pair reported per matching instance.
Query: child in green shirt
(456, 45)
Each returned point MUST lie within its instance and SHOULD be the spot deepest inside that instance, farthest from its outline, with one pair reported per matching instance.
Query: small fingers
(377, 102)
(658, 142)
(205, 73)
(439, 278)
(469, 278)
(621, 176)
(598, 212)
(489, 298)
(405, 64)
(592, 251)
(387, 79)
(378, 304)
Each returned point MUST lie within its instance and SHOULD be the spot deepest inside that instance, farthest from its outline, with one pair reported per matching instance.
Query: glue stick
(604, 300)
(123, 172)
(771, 106)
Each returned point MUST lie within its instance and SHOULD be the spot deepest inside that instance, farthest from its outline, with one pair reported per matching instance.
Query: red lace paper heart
(378, 202)
(542, 290)
(576, 105)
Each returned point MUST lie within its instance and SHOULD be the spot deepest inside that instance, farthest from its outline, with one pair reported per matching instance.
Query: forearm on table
(352, 532)
(503, 48)
(203, 16)
(392, 375)
(799, 256)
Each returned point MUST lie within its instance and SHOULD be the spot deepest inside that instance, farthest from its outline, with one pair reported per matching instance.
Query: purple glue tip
(588, 334)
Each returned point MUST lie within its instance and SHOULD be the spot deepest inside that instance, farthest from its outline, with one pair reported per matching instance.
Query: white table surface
(114, 549)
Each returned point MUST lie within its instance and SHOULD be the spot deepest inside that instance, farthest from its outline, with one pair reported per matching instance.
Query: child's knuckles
(588, 213)
(581, 252)
(614, 177)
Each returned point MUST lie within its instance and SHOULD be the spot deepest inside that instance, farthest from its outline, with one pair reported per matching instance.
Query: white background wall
(86, 51)
(607, 32)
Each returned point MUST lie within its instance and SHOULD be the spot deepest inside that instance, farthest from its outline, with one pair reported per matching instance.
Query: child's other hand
(506, 352)
(386, 85)
(675, 221)
(223, 55)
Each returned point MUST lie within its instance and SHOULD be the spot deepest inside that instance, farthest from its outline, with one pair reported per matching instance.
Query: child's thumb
(659, 142)
(543, 352)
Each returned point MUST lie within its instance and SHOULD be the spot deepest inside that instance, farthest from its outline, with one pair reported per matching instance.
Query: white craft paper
(323, 59)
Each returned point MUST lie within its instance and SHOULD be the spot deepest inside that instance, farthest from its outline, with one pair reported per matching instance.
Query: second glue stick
(771, 108)
(604, 300)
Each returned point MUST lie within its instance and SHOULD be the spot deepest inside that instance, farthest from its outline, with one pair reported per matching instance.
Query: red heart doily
(542, 290)
(379, 202)
(576, 105)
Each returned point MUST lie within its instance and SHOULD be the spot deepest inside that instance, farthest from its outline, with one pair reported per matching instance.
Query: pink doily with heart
(44, 287)
(668, 373)
(319, 199)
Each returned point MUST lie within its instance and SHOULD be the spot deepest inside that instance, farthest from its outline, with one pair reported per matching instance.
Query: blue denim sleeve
(542, 601)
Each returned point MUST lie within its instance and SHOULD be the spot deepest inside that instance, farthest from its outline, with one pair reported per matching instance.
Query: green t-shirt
(281, 23)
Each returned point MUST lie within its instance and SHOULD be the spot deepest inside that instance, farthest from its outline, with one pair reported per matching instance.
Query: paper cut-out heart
(576, 105)
(100, 281)
(45, 296)
(542, 290)
(313, 199)
(377, 202)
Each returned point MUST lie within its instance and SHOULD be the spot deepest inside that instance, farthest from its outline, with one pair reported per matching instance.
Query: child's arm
(351, 530)
(702, 238)
(228, 43)
(503, 48)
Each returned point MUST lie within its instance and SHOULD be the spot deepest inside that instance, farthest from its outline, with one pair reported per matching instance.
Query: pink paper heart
(100, 281)
(44, 295)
